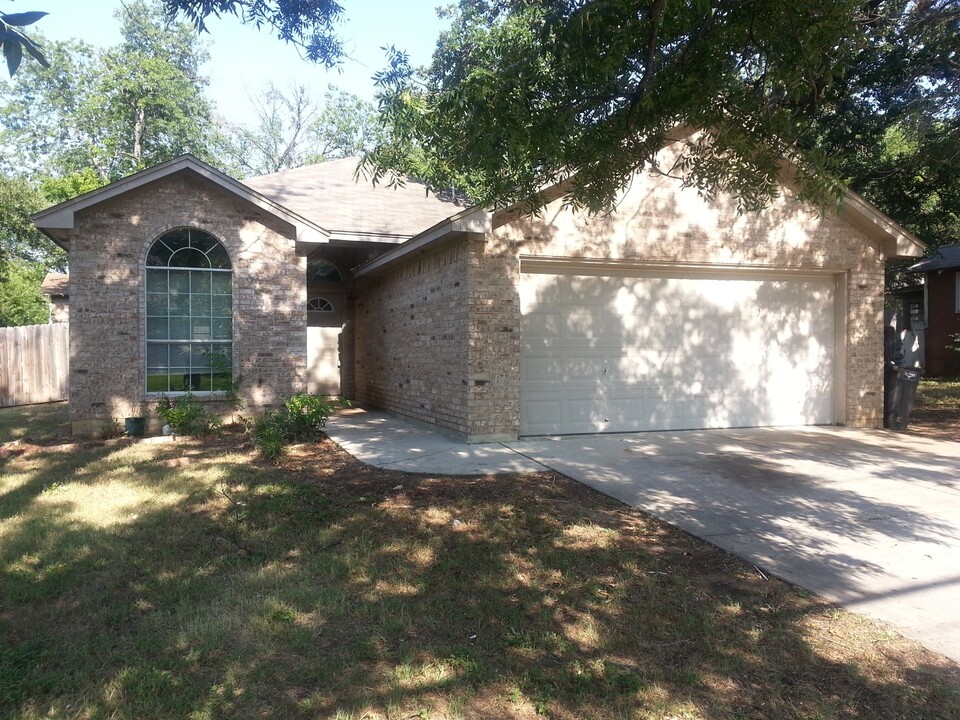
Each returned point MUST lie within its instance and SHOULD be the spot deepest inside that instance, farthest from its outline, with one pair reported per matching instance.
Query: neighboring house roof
(55, 285)
(58, 221)
(944, 258)
(329, 194)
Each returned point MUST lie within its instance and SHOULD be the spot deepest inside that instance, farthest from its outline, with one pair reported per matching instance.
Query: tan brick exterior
(427, 349)
(411, 335)
(107, 325)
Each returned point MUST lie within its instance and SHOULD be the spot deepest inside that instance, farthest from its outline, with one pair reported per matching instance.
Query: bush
(301, 418)
(187, 416)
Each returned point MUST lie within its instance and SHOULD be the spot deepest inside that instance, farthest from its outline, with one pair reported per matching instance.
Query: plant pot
(134, 426)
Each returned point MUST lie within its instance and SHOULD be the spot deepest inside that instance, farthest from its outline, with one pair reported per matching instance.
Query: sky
(243, 60)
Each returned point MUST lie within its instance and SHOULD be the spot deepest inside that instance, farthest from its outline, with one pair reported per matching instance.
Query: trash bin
(900, 392)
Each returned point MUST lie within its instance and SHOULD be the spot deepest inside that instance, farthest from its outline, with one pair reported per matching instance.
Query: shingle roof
(944, 258)
(328, 195)
(55, 285)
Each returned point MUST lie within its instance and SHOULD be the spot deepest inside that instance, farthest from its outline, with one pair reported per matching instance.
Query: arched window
(319, 304)
(322, 270)
(189, 313)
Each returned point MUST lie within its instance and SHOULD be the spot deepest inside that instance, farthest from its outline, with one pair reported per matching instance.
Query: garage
(609, 348)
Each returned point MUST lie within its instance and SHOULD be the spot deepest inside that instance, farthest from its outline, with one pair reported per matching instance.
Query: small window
(319, 304)
(321, 270)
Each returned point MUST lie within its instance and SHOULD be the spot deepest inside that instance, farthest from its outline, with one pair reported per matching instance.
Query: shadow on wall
(620, 354)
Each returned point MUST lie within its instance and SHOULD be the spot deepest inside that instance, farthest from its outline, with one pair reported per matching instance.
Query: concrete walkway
(868, 519)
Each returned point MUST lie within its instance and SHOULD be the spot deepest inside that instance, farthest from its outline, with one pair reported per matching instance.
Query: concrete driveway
(868, 519)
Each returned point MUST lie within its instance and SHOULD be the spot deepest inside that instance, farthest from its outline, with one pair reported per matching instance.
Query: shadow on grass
(186, 580)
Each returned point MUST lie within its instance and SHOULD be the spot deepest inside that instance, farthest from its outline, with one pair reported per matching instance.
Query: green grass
(34, 422)
(938, 394)
(185, 580)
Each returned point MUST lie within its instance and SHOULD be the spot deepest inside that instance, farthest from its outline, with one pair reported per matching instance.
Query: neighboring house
(939, 305)
(56, 288)
(671, 312)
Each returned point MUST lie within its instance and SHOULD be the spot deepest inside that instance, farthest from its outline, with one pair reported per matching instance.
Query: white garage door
(655, 352)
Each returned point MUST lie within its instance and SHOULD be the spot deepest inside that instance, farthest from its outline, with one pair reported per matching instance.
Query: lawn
(186, 579)
(936, 411)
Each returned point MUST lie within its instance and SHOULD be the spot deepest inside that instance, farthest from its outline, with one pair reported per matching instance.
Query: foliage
(21, 302)
(19, 239)
(292, 129)
(308, 24)
(895, 135)
(13, 41)
(186, 415)
(301, 417)
(521, 95)
(114, 111)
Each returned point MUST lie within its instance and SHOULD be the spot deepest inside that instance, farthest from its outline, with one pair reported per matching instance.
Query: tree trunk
(138, 129)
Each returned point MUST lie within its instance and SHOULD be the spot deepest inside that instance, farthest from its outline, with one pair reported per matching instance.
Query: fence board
(34, 364)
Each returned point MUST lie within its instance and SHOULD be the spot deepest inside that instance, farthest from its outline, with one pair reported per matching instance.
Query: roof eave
(896, 241)
(472, 220)
(56, 222)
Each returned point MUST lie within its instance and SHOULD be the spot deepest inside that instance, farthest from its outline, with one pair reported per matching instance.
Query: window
(320, 270)
(189, 313)
(319, 304)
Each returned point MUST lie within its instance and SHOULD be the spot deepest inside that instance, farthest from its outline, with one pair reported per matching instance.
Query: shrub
(301, 418)
(187, 416)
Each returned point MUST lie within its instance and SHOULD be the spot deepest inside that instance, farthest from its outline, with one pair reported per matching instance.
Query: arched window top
(319, 304)
(322, 270)
(188, 248)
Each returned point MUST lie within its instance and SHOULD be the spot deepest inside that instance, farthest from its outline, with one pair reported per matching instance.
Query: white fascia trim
(897, 241)
(471, 220)
(61, 217)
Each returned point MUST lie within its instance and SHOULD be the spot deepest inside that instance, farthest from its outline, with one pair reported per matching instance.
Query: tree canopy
(524, 93)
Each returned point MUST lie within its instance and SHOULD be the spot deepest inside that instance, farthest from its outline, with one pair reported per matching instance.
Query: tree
(294, 129)
(308, 24)
(117, 111)
(21, 302)
(524, 93)
(19, 239)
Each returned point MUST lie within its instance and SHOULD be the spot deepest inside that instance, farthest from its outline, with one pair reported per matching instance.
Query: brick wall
(107, 299)
(942, 322)
(411, 335)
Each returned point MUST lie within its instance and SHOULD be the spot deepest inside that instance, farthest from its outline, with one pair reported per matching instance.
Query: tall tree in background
(524, 93)
(293, 128)
(117, 111)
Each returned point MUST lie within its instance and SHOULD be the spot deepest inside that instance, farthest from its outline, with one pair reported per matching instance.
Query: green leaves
(521, 95)
(14, 42)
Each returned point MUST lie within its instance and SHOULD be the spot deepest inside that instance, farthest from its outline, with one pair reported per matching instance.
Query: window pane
(159, 254)
(218, 258)
(204, 242)
(179, 304)
(180, 355)
(158, 381)
(179, 328)
(188, 257)
(157, 281)
(200, 282)
(221, 283)
(179, 282)
(157, 328)
(222, 328)
(180, 379)
(157, 304)
(201, 329)
(222, 306)
(177, 239)
(157, 356)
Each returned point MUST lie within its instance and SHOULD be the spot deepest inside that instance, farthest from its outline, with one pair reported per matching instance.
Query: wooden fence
(34, 363)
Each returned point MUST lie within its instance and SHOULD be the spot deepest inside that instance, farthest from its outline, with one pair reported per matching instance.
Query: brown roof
(55, 285)
(328, 195)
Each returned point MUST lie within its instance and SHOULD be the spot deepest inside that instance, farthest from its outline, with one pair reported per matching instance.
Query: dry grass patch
(186, 579)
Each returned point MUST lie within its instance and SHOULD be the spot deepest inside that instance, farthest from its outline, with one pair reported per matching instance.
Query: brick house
(671, 312)
(56, 289)
(937, 303)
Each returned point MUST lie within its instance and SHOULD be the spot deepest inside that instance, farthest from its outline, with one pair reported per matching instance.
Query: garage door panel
(675, 353)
